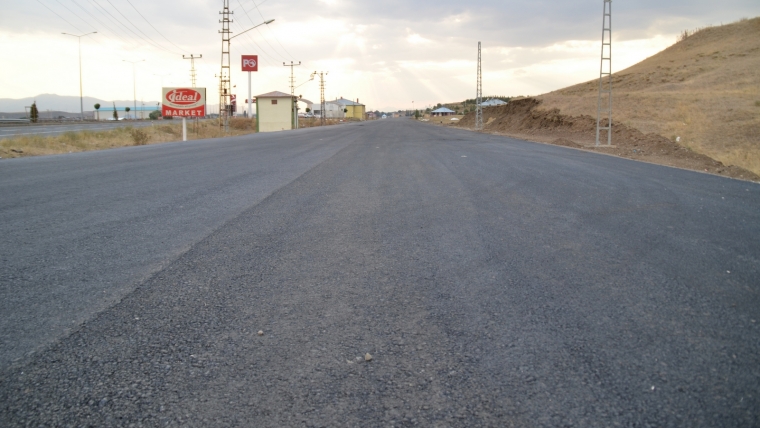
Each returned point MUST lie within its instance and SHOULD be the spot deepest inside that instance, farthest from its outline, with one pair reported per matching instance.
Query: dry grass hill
(703, 93)
(704, 89)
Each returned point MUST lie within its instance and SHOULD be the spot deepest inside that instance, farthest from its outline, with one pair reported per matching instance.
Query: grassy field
(160, 132)
(703, 93)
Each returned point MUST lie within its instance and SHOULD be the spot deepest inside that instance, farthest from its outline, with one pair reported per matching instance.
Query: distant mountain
(65, 103)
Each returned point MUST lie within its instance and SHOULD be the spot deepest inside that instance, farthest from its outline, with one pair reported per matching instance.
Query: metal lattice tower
(604, 103)
(225, 88)
(479, 97)
(322, 104)
(292, 91)
(192, 67)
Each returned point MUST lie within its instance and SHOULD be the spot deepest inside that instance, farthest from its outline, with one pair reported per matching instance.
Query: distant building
(443, 111)
(354, 110)
(493, 102)
(274, 112)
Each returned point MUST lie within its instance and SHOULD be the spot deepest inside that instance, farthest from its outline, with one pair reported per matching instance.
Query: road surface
(488, 281)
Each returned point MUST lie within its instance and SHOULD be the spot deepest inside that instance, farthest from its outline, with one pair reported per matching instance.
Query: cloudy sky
(385, 53)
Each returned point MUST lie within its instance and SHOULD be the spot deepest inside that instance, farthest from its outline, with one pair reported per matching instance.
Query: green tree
(154, 115)
(97, 110)
(416, 114)
(115, 115)
(308, 110)
(127, 109)
(34, 114)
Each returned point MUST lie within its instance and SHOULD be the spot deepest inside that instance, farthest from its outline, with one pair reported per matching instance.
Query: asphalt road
(49, 130)
(494, 282)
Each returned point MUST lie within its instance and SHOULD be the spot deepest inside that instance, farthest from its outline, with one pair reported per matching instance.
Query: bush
(241, 124)
(139, 136)
(154, 115)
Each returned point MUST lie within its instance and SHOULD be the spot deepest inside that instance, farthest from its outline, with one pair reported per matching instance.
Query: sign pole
(250, 104)
(184, 128)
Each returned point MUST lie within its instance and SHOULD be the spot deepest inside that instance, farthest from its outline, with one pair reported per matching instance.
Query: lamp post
(134, 83)
(81, 102)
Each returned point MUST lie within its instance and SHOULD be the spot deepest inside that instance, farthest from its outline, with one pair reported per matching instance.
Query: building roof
(274, 94)
(345, 102)
(493, 102)
(443, 110)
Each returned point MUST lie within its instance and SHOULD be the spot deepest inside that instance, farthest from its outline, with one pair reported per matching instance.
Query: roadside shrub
(139, 136)
(168, 129)
(757, 103)
(240, 123)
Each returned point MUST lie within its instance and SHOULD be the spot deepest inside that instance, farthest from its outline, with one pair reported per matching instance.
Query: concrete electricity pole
(292, 92)
(134, 84)
(192, 67)
(604, 102)
(479, 97)
(81, 102)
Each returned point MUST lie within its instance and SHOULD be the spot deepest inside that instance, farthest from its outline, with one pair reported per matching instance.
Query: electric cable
(56, 14)
(146, 20)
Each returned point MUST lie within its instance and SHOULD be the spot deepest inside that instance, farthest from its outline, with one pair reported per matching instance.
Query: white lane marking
(464, 156)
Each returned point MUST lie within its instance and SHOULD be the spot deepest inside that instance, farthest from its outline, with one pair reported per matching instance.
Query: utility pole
(292, 92)
(322, 104)
(604, 102)
(81, 102)
(192, 66)
(225, 107)
(134, 84)
(479, 97)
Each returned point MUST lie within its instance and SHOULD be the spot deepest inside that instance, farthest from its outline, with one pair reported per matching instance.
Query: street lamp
(81, 102)
(134, 83)
(263, 23)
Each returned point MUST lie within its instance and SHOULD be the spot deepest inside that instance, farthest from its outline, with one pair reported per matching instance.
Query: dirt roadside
(524, 119)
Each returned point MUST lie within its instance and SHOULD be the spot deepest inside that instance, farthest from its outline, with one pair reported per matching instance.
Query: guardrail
(14, 120)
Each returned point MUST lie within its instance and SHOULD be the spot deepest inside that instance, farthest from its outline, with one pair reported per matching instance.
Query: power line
(146, 20)
(275, 35)
(150, 40)
(263, 51)
(262, 35)
(114, 19)
(56, 14)
(71, 12)
(100, 22)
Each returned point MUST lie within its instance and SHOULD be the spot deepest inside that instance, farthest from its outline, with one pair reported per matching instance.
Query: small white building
(493, 102)
(443, 111)
(274, 112)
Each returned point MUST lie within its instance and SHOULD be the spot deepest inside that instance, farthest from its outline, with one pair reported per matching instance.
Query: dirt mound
(525, 118)
(702, 91)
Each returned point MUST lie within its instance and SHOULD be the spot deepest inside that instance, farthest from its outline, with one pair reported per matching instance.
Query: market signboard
(183, 102)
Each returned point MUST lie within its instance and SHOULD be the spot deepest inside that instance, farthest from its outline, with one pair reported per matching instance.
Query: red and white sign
(250, 62)
(183, 102)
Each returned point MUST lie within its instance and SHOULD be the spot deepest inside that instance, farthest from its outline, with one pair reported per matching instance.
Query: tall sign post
(250, 63)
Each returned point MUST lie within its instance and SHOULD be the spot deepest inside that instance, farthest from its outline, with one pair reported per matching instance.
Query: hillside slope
(704, 89)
